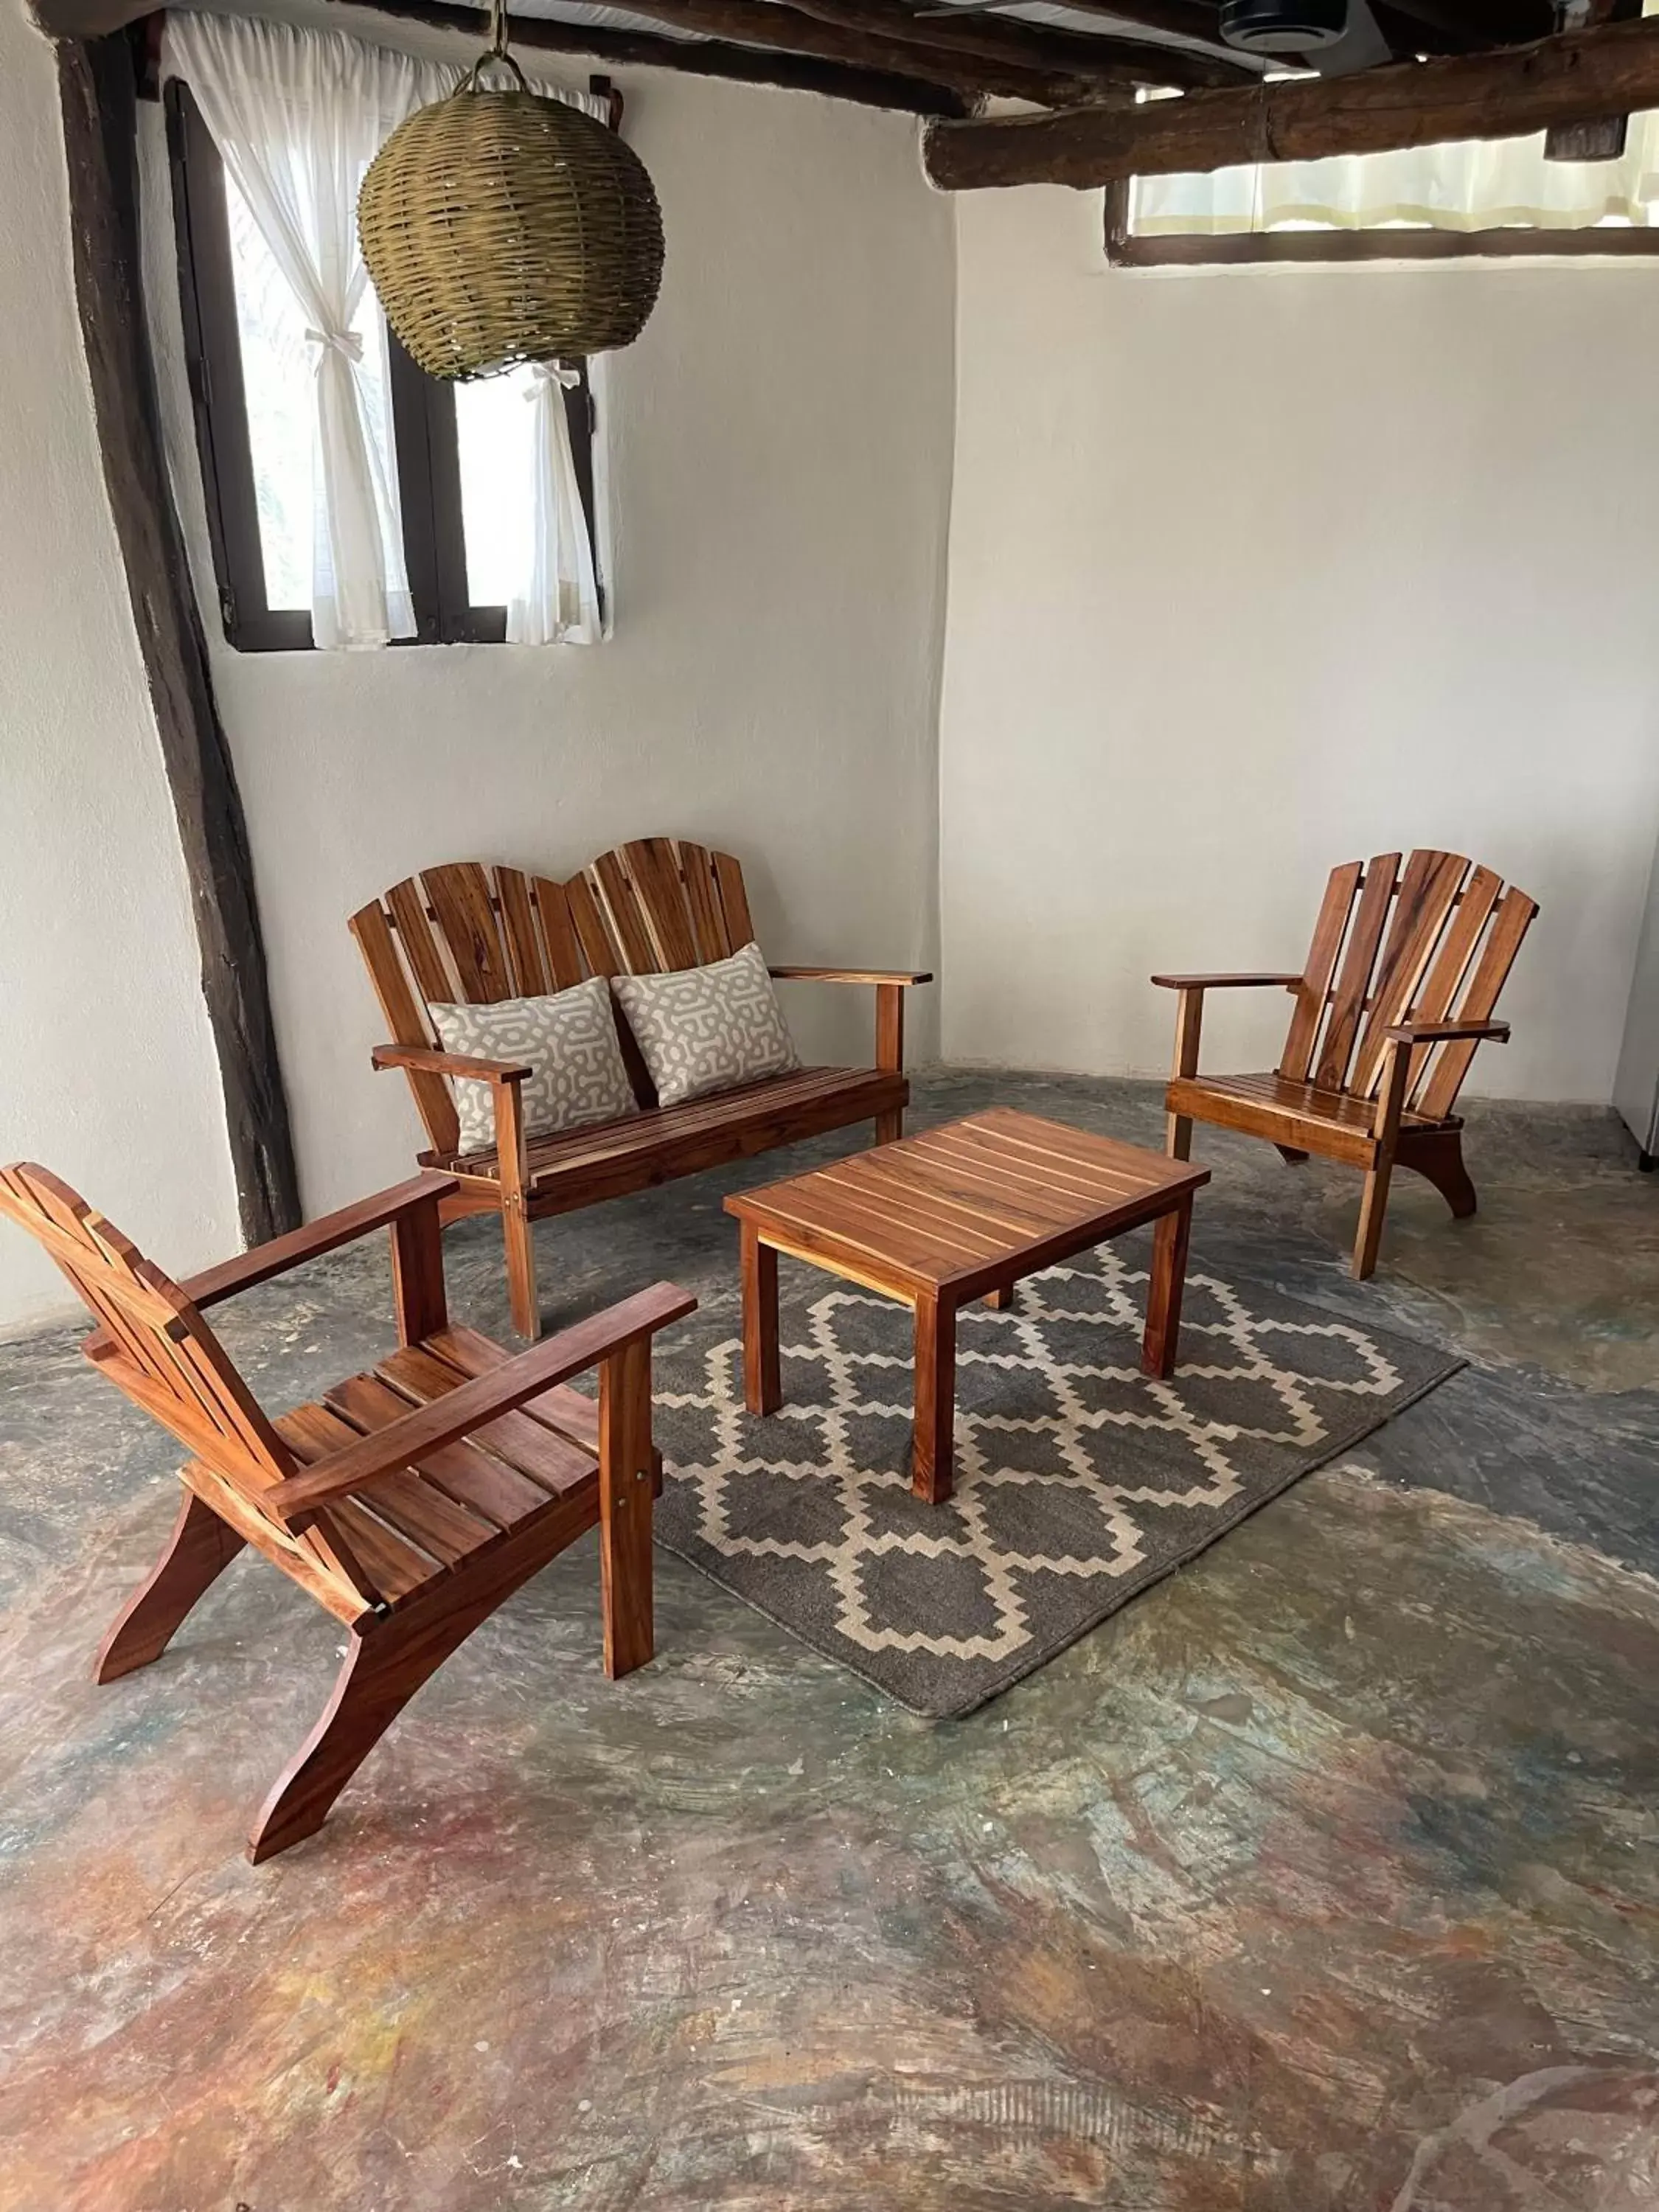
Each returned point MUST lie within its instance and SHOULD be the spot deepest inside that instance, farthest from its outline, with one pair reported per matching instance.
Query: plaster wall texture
(108, 1072)
(1254, 571)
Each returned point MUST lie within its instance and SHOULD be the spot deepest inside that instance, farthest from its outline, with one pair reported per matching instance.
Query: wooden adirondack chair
(411, 1500)
(476, 933)
(1375, 1060)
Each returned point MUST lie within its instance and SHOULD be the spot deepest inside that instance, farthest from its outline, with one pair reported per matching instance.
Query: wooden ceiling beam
(1612, 68)
(768, 23)
(877, 51)
(909, 89)
(1180, 19)
(841, 66)
(1119, 60)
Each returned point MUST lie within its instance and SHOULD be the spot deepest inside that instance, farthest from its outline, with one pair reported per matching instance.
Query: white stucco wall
(106, 1067)
(1248, 574)
(1255, 571)
(780, 458)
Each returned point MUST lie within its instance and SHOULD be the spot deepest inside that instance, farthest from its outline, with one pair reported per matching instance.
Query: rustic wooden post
(97, 90)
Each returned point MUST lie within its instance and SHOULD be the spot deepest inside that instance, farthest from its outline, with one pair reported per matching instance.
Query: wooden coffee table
(958, 1213)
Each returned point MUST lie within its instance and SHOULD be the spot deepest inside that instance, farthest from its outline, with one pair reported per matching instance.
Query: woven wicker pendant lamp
(498, 227)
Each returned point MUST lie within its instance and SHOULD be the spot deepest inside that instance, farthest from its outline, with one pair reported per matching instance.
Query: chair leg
(201, 1546)
(889, 1127)
(1439, 1160)
(1178, 1136)
(518, 1236)
(383, 1668)
(626, 1492)
(1372, 1207)
(1291, 1156)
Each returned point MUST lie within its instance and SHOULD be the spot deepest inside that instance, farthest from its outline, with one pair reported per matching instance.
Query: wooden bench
(469, 932)
(1397, 992)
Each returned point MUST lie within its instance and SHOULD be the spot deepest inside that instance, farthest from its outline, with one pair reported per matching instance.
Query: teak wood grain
(1396, 994)
(960, 1212)
(476, 933)
(409, 1499)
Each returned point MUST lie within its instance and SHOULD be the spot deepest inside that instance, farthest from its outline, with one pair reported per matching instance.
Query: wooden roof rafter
(885, 52)
(1574, 77)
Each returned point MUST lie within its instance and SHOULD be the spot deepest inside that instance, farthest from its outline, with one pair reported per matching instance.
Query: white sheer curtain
(1479, 185)
(560, 603)
(297, 116)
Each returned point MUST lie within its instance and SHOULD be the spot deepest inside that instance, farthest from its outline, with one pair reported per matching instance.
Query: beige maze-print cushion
(702, 1029)
(568, 1041)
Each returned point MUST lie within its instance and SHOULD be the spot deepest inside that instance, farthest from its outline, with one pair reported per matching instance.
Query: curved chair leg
(383, 1669)
(201, 1546)
(1439, 1160)
(1290, 1155)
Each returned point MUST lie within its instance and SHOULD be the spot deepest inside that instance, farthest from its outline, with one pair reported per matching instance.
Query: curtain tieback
(553, 371)
(345, 342)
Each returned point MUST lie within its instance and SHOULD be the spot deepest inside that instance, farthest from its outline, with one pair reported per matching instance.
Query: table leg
(762, 1386)
(932, 1453)
(1161, 1344)
(1001, 1301)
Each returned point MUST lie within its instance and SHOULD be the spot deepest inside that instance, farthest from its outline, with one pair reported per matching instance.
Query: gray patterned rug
(1078, 1481)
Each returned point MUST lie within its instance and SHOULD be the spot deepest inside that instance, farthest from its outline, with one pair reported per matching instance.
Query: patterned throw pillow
(708, 1029)
(568, 1039)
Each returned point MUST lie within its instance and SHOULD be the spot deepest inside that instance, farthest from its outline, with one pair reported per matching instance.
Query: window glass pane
(279, 378)
(493, 423)
(1478, 185)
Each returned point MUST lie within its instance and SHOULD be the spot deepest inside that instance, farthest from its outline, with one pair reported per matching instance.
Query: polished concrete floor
(1324, 1876)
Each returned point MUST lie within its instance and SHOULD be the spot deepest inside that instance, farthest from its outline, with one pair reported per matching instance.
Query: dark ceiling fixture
(1283, 26)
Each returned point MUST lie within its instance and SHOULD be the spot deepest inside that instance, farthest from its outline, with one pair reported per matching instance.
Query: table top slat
(967, 1200)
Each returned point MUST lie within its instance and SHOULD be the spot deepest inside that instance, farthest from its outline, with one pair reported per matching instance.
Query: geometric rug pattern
(1078, 1480)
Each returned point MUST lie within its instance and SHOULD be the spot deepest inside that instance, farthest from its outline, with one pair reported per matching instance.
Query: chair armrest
(904, 978)
(1227, 982)
(326, 1234)
(446, 1421)
(1448, 1032)
(426, 1061)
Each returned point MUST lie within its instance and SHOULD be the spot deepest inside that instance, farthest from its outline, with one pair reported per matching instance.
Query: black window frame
(422, 422)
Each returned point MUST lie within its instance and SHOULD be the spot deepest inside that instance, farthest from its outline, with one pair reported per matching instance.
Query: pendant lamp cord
(495, 51)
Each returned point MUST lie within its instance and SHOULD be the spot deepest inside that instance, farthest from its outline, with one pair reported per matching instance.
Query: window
(450, 462)
(1501, 196)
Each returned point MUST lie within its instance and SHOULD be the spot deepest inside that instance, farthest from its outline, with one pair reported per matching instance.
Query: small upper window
(1504, 196)
(452, 466)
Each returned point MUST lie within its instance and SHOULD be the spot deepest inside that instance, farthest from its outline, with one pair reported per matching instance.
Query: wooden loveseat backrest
(1432, 942)
(473, 933)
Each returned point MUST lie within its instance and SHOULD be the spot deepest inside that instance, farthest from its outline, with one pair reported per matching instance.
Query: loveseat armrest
(904, 978)
(890, 986)
(425, 1059)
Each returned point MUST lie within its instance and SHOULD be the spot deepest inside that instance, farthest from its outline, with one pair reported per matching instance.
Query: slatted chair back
(471, 932)
(1432, 941)
(154, 1345)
